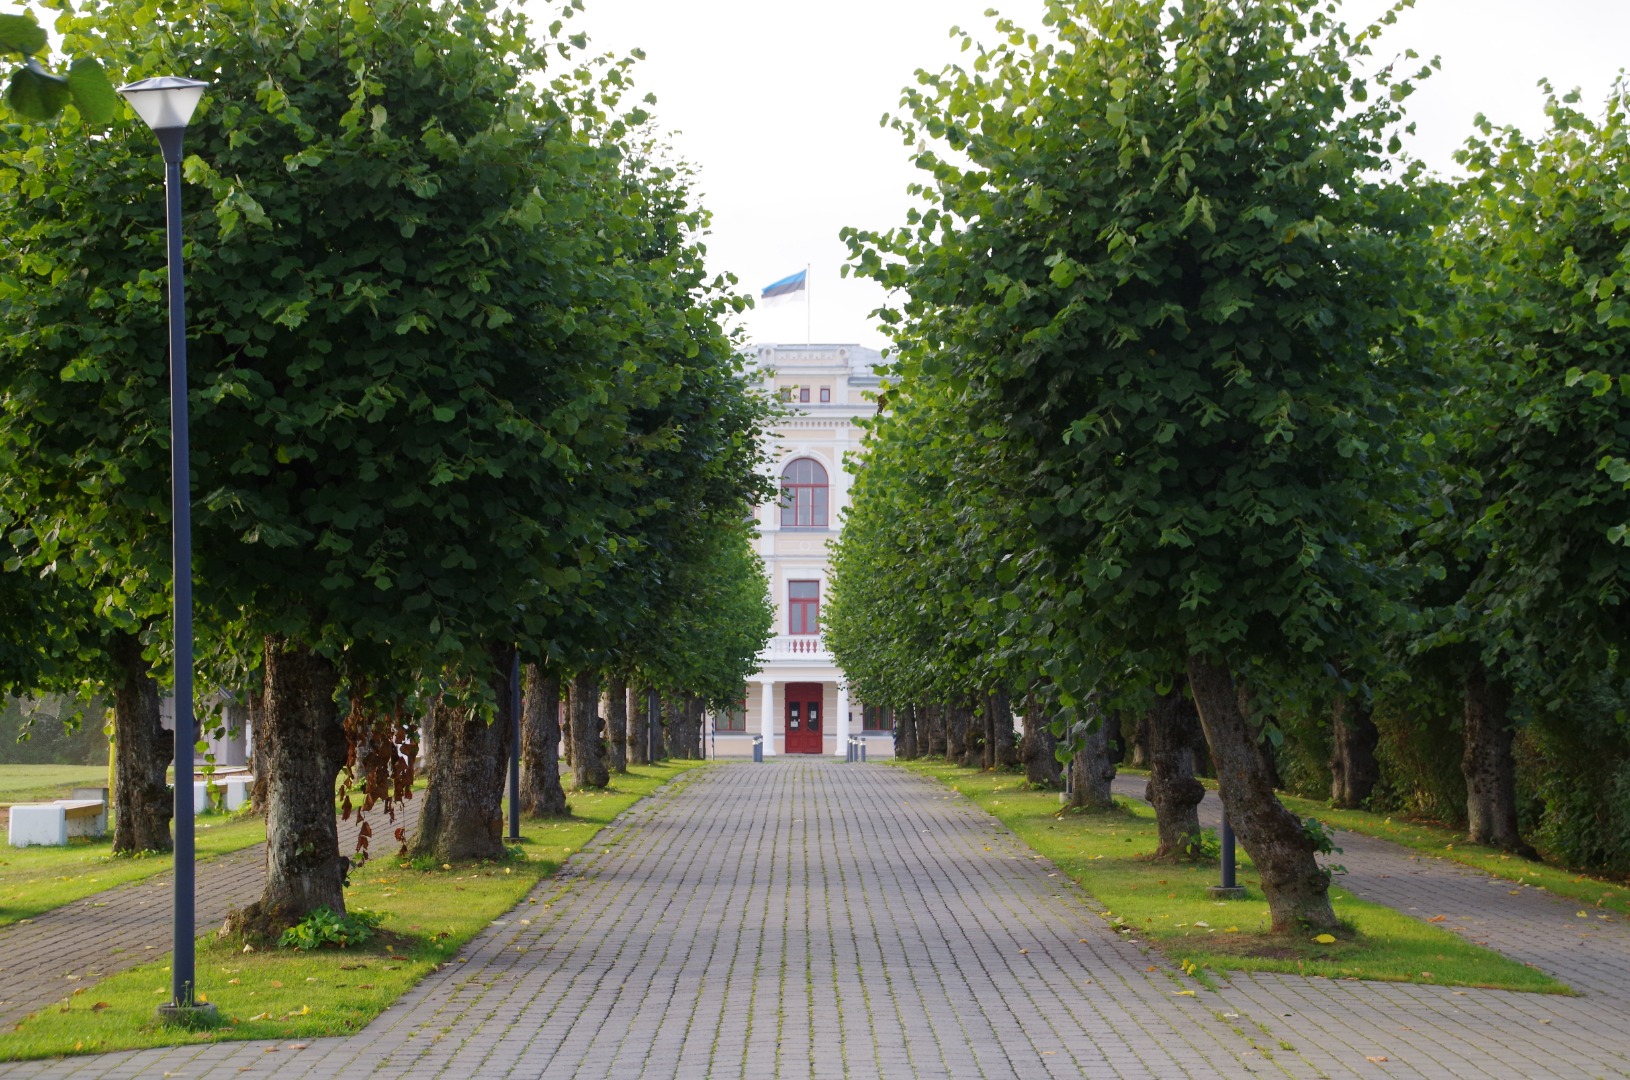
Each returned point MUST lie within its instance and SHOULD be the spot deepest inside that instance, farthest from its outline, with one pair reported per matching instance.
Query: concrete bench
(51, 824)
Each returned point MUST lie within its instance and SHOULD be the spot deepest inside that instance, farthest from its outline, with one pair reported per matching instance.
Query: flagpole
(809, 286)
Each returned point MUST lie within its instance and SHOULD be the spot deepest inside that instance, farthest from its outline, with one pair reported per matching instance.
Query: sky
(778, 105)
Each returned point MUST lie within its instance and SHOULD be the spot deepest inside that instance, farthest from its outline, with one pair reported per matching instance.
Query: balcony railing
(796, 647)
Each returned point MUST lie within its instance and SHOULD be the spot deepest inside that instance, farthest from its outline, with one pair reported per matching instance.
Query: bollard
(862, 749)
(758, 748)
(1229, 889)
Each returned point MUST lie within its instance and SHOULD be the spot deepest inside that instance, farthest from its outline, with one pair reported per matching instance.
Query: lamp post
(166, 104)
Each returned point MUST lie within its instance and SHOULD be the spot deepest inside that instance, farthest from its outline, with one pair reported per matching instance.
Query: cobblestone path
(816, 919)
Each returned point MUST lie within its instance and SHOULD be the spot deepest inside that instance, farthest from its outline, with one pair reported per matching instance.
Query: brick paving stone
(814, 919)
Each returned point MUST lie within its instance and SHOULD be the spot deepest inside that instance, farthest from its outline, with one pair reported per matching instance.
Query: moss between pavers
(1165, 904)
(430, 912)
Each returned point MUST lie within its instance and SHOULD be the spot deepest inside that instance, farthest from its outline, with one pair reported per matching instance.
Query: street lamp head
(166, 102)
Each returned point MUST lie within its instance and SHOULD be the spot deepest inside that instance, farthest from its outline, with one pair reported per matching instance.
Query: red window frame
(826, 393)
(805, 495)
(803, 607)
(803, 394)
(733, 718)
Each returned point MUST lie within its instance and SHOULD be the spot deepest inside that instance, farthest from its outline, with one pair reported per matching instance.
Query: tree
(1537, 554)
(411, 351)
(1160, 254)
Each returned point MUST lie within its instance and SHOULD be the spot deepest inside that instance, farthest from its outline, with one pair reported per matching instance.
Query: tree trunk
(695, 724)
(1091, 772)
(634, 711)
(541, 792)
(1117, 737)
(966, 734)
(142, 749)
(905, 733)
(1173, 732)
(1354, 770)
(588, 764)
(1040, 746)
(1296, 888)
(986, 718)
(1137, 744)
(301, 751)
(939, 738)
(617, 722)
(255, 700)
(659, 733)
(1007, 747)
(566, 731)
(463, 815)
(1490, 771)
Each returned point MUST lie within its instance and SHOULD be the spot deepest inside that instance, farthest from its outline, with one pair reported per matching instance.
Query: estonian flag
(787, 287)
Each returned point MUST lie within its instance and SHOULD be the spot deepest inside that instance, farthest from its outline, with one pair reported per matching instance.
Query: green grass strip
(1165, 904)
(430, 910)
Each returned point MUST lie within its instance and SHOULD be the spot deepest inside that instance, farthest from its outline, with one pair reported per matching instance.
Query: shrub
(323, 928)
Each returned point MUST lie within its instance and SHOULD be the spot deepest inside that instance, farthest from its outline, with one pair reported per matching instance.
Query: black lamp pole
(166, 104)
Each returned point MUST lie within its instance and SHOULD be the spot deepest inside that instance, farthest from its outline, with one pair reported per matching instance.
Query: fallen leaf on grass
(260, 1016)
(275, 983)
(1326, 939)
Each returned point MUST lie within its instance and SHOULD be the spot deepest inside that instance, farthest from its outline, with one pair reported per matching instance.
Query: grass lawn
(429, 912)
(1166, 904)
(42, 783)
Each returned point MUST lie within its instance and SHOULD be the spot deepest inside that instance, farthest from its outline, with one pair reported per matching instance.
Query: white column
(766, 724)
(842, 726)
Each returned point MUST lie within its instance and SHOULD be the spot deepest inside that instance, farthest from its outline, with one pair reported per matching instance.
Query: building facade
(798, 702)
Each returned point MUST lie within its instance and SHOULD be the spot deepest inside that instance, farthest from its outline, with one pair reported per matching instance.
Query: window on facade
(786, 393)
(826, 393)
(877, 718)
(803, 393)
(803, 495)
(734, 718)
(803, 607)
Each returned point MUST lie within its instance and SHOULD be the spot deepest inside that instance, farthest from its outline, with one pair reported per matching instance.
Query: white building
(798, 703)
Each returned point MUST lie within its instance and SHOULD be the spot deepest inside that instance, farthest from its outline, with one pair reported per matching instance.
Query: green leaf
(21, 34)
(92, 93)
(36, 93)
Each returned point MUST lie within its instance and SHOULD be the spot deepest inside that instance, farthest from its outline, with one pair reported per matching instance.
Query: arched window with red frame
(804, 495)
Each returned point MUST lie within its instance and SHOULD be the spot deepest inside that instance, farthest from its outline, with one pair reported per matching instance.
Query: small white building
(798, 703)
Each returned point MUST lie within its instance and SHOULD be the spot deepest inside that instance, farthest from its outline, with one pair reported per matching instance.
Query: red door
(803, 719)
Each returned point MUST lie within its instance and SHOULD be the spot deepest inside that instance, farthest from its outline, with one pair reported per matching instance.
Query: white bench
(50, 824)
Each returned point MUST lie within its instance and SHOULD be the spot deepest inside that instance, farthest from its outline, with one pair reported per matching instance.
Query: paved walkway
(46, 958)
(816, 919)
